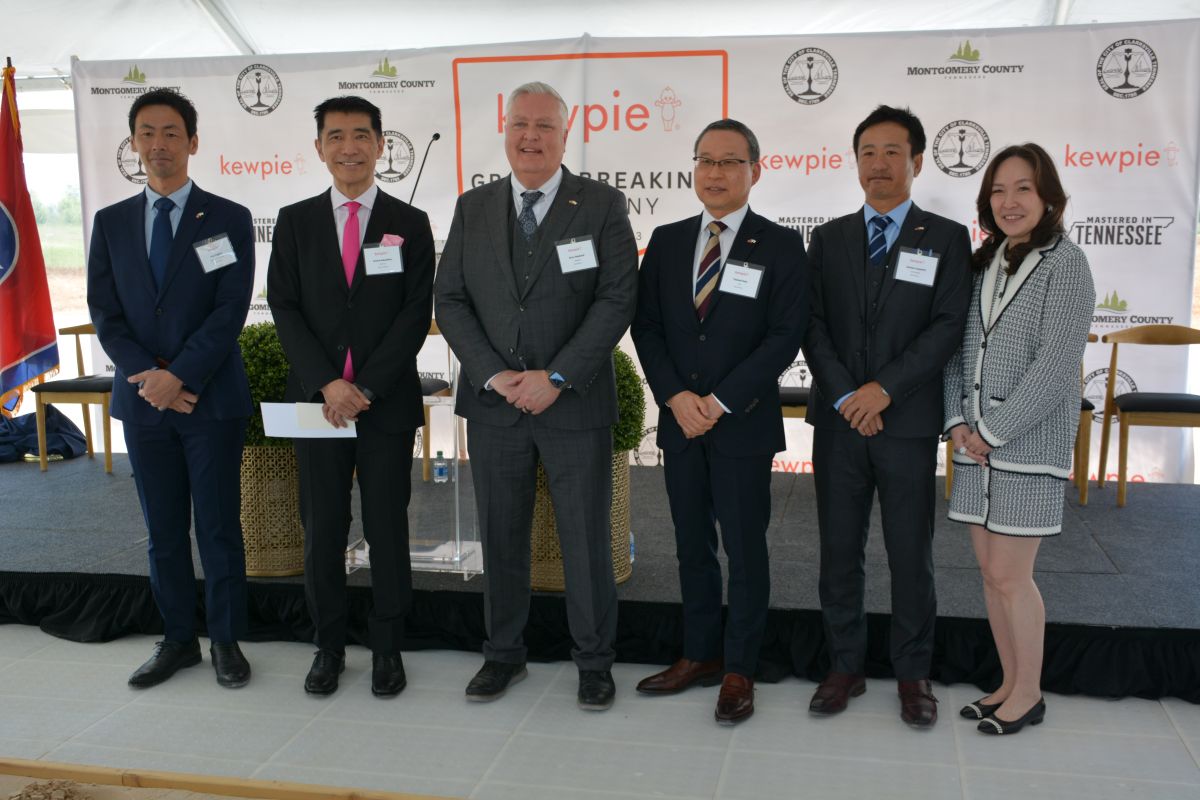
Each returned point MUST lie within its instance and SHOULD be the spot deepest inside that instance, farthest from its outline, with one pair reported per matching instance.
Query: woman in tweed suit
(1012, 407)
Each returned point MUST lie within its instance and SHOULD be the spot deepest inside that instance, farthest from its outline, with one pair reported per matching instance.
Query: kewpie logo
(261, 168)
(599, 117)
(667, 103)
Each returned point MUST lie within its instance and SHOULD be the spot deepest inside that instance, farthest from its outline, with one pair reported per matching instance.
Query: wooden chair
(86, 389)
(1083, 442)
(1162, 409)
(794, 401)
(431, 387)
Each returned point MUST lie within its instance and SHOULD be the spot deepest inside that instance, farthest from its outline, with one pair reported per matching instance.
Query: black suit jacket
(383, 319)
(901, 338)
(741, 347)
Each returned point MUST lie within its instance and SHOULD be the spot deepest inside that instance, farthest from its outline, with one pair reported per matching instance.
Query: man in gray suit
(536, 286)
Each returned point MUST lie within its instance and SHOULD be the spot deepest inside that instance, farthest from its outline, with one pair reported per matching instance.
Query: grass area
(62, 245)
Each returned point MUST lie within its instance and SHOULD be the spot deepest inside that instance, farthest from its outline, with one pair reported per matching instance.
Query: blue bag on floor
(18, 436)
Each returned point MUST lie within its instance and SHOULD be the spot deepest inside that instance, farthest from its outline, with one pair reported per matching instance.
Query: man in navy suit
(722, 308)
(351, 328)
(170, 274)
(890, 286)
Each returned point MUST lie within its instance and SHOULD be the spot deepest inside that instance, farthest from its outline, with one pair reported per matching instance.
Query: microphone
(433, 139)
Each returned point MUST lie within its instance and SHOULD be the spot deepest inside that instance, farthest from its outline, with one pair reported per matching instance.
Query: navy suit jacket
(191, 322)
(383, 319)
(901, 338)
(743, 345)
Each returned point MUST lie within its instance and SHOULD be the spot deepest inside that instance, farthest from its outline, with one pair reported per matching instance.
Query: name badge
(576, 254)
(215, 253)
(741, 278)
(383, 259)
(917, 266)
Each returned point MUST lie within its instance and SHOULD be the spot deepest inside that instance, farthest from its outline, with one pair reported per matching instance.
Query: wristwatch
(558, 381)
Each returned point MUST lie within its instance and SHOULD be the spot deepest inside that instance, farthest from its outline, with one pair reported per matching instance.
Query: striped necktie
(877, 246)
(709, 269)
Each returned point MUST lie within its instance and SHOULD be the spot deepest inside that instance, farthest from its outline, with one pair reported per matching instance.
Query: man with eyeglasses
(722, 309)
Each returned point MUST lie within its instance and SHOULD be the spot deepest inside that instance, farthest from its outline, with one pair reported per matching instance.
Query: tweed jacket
(1015, 379)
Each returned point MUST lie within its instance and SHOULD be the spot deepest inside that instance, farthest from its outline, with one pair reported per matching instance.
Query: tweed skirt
(1009, 503)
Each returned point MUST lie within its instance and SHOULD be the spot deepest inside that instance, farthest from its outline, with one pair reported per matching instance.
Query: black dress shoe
(978, 709)
(232, 668)
(387, 675)
(169, 657)
(918, 706)
(596, 689)
(998, 727)
(323, 674)
(493, 680)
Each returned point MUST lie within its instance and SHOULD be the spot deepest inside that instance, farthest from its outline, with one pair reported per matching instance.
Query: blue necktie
(877, 246)
(161, 236)
(527, 220)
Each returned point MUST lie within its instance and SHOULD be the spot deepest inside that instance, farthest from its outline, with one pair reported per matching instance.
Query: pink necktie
(351, 244)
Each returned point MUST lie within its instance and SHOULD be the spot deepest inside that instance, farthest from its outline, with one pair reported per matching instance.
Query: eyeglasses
(704, 162)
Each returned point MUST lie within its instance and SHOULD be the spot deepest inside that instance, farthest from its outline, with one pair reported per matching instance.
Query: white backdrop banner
(1115, 105)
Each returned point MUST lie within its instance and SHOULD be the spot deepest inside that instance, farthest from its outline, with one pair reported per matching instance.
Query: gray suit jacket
(560, 323)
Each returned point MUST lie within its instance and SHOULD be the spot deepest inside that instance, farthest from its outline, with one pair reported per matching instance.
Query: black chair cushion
(1086, 405)
(431, 386)
(88, 383)
(793, 395)
(1168, 402)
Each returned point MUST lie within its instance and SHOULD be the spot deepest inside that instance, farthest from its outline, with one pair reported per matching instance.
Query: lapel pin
(919, 228)
(752, 241)
(572, 202)
(199, 215)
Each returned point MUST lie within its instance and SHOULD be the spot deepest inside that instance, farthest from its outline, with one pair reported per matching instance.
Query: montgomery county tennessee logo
(961, 148)
(130, 163)
(1113, 303)
(10, 243)
(384, 78)
(1095, 383)
(259, 89)
(1120, 231)
(1127, 68)
(965, 62)
(397, 159)
(134, 75)
(810, 75)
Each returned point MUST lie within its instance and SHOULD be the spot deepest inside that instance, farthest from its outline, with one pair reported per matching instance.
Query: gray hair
(537, 87)
(737, 127)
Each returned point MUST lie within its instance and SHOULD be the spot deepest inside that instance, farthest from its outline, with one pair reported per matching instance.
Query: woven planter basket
(271, 528)
(545, 563)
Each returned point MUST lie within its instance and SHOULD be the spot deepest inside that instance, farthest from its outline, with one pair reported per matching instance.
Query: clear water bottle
(632, 549)
(441, 468)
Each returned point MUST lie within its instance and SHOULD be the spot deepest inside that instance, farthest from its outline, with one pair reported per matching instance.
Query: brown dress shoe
(736, 700)
(918, 706)
(834, 693)
(682, 674)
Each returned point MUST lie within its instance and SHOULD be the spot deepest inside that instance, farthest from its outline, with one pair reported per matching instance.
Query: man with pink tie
(350, 286)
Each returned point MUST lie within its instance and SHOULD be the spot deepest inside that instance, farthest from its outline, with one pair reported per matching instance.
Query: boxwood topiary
(631, 404)
(267, 371)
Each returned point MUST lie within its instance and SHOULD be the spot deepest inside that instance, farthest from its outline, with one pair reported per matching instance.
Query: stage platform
(1120, 587)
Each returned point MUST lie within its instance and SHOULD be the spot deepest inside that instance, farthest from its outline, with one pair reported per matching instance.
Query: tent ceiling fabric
(49, 33)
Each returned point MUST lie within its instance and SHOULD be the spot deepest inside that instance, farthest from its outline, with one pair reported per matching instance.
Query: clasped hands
(531, 390)
(969, 443)
(862, 409)
(161, 389)
(695, 414)
(343, 402)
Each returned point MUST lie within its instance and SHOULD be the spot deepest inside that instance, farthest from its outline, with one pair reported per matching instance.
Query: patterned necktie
(527, 220)
(351, 244)
(709, 269)
(161, 237)
(877, 246)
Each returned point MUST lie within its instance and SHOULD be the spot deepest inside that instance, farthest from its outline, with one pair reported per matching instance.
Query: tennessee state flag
(28, 341)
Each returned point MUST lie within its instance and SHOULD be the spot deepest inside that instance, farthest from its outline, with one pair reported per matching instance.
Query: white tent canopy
(42, 37)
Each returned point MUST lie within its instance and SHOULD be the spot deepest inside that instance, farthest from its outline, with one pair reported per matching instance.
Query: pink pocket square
(390, 239)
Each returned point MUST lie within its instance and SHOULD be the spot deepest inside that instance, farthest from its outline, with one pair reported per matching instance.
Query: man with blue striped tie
(890, 285)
